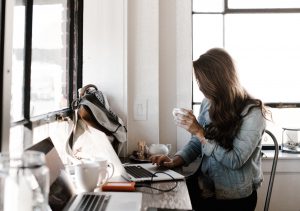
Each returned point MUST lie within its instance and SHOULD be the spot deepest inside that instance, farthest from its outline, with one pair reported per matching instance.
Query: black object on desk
(164, 209)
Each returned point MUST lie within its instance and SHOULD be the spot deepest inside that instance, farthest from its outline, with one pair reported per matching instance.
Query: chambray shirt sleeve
(193, 148)
(190, 151)
(244, 144)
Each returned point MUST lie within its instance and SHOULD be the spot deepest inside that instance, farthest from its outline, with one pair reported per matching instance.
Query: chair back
(273, 170)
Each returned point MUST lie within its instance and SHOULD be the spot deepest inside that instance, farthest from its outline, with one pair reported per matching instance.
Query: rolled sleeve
(193, 148)
(190, 151)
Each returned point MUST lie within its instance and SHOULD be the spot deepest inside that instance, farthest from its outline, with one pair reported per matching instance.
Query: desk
(178, 198)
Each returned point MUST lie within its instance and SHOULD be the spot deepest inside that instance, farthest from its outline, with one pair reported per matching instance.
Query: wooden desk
(178, 198)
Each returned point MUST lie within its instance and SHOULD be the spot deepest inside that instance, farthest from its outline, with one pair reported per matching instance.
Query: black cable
(162, 190)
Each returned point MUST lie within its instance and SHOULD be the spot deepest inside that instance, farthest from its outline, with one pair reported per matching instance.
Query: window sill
(269, 154)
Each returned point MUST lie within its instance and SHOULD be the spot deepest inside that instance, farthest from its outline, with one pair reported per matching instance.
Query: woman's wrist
(177, 161)
(201, 138)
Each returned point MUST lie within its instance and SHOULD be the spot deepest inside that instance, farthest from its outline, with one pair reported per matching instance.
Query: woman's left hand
(189, 122)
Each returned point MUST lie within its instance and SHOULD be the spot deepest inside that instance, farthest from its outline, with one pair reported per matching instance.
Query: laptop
(100, 146)
(148, 172)
(62, 194)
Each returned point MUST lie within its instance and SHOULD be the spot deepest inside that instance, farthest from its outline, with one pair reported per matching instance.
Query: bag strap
(70, 141)
(71, 138)
(84, 89)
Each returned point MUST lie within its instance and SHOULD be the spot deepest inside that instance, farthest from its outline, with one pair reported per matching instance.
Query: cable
(158, 189)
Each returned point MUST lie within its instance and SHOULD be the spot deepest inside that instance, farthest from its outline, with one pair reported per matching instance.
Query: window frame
(2, 27)
(245, 11)
(74, 70)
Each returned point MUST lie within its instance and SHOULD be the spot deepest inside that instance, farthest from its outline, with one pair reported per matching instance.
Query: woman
(227, 135)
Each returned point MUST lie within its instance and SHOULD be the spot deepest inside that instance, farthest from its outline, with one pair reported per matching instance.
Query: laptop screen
(61, 187)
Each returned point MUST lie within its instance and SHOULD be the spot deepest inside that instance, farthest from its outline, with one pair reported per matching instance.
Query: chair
(273, 170)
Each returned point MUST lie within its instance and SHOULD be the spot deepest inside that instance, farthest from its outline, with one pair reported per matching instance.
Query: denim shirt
(234, 173)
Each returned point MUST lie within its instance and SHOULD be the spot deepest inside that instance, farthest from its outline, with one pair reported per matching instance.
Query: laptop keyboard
(138, 172)
(91, 202)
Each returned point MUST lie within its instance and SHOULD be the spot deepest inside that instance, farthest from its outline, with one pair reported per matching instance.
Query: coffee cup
(106, 169)
(87, 176)
(177, 111)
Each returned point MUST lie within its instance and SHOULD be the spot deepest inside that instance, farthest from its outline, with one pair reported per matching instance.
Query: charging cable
(147, 185)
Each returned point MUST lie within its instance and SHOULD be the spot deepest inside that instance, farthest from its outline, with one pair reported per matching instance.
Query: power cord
(147, 185)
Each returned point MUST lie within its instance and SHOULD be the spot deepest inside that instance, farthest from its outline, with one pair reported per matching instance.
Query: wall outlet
(140, 110)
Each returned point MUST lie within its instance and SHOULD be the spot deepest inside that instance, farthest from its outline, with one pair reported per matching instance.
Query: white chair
(273, 170)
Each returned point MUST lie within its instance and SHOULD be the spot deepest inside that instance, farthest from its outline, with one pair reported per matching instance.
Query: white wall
(143, 70)
(104, 50)
(140, 51)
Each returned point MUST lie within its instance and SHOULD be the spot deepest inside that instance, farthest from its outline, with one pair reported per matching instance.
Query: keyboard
(139, 172)
(92, 202)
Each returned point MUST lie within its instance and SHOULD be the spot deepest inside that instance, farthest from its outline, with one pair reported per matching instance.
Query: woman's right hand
(189, 122)
(164, 160)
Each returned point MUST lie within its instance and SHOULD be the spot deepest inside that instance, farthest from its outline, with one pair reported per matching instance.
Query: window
(46, 69)
(263, 38)
(2, 21)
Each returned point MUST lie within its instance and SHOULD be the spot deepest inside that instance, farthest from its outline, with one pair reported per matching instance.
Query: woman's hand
(189, 122)
(164, 160)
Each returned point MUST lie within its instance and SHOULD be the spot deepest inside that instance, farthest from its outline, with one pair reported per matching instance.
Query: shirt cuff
(184, 156)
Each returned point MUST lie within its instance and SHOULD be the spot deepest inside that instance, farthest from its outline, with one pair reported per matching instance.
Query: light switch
(140, 110)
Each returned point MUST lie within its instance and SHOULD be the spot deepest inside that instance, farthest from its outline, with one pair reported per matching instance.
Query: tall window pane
(49, 57)
(208, 5)
(261, 4)
(266, 48)
(207, 33)
(17, 82)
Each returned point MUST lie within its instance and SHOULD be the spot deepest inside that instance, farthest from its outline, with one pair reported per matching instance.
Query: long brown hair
(218, 80)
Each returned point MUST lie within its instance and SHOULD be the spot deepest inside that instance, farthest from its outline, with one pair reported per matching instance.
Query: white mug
(87, 176)
(178, 111)
(106, 170)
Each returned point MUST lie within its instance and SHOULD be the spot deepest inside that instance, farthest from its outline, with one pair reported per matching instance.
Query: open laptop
(99, 145)
(149, 172)
(62, 195)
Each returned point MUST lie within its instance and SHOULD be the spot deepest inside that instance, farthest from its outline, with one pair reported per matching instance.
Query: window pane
(208, 5)
(266, 48)
(17, 82)
(286, 118)
(282, 118)
(49, 57)
(260, 4)
(196, 109)
(207, 33)
(197, 94)
(16, 140)
(58, 131)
